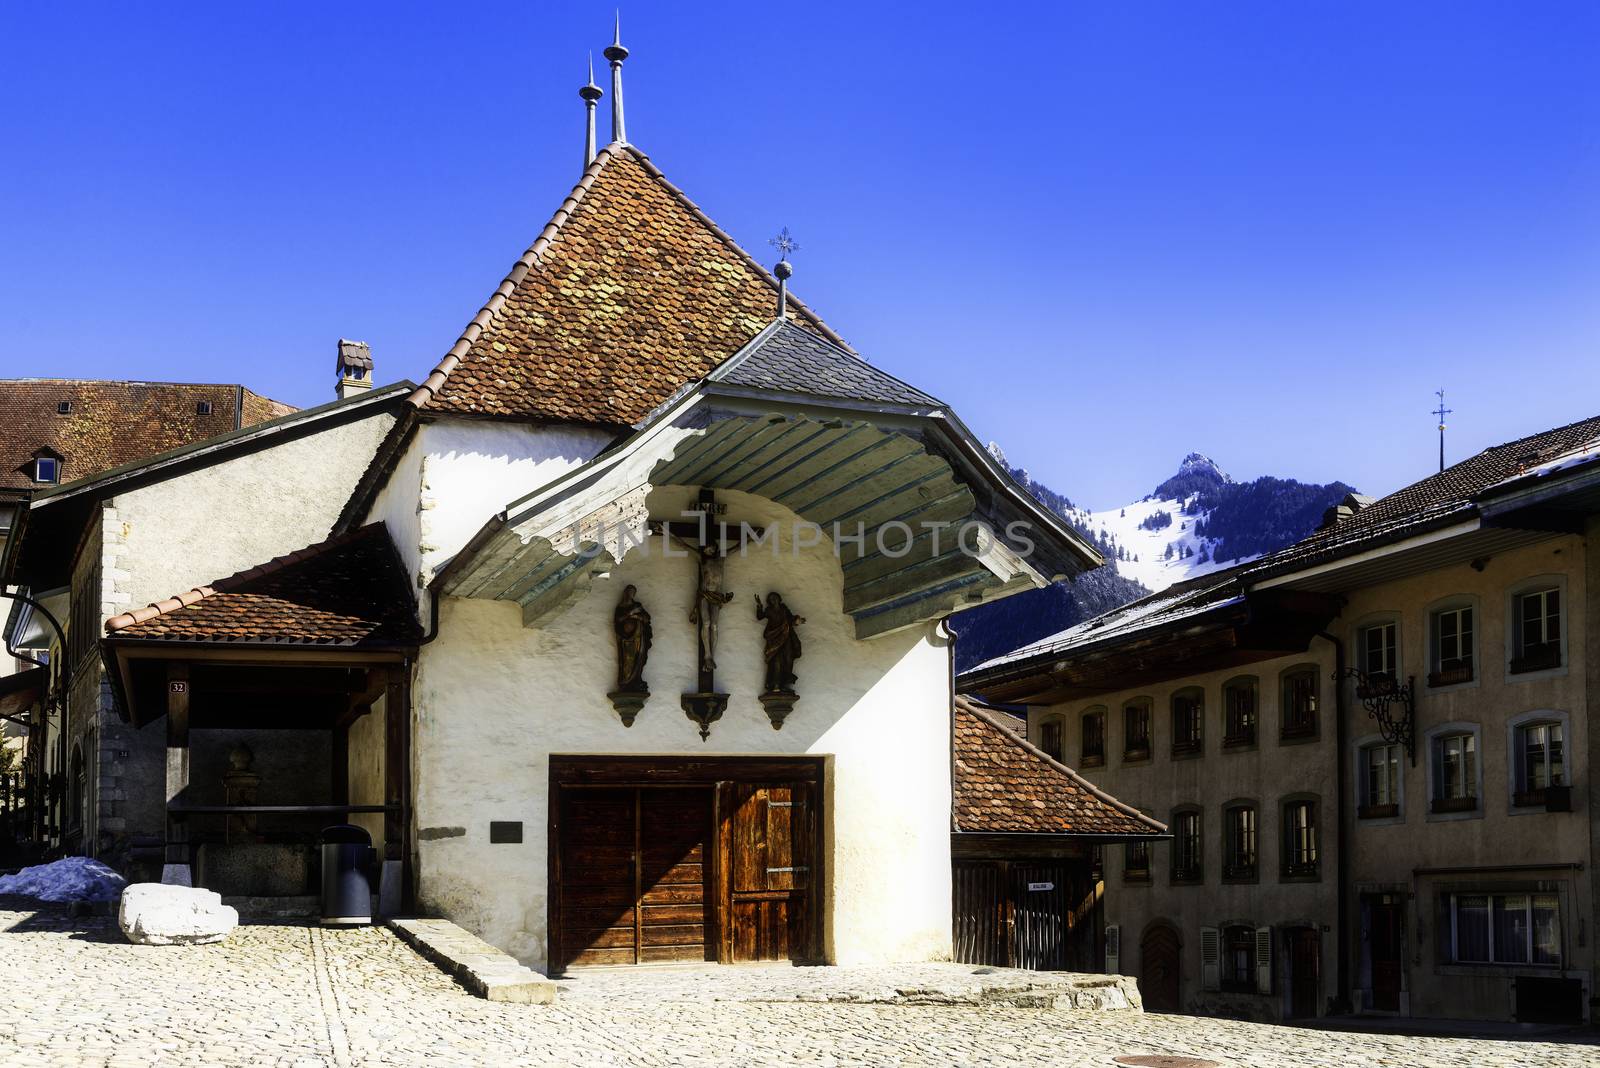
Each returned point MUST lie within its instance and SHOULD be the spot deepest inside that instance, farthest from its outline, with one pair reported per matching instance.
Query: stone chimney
(355, 369)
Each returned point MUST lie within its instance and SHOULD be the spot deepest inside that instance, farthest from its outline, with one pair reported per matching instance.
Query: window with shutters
(1136, 729)
(1210, 958)
(1379, 767)
(1299, 703)
(1536, 630)
(1301, 854)
(1092, 747)
(1239, 841)
(1239, 712)
(1188, 715)
(1453, 769)
(1239, 959)
(1452, 645)
(1516, 928)
(1187, 859)
(1050, 737)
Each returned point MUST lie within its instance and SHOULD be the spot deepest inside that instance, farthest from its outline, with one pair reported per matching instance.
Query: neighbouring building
(55, 431)
(1374, 750)
(622, 632)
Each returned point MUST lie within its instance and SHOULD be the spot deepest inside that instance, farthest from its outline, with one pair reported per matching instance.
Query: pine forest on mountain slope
(1197, 521)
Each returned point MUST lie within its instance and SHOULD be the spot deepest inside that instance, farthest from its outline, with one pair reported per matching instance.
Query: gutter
(36, 780)
(1341, 734)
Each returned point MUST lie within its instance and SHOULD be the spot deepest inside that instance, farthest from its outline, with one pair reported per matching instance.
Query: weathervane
(1441, 412)
(785, 244)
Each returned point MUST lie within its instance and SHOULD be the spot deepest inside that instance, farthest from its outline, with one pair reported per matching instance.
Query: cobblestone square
(289, 996)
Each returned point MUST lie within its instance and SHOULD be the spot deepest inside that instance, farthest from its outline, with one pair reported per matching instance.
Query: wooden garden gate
(1016, 913)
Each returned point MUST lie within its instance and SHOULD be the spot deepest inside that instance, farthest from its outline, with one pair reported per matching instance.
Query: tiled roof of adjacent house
(1438, 498)
(628, 294)
(108, 424)
(1005, 785)
(347, 591)
(787, 359)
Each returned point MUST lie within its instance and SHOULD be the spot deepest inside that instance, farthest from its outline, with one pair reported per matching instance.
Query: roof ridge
(233, 581)
(532, 257)
(967, 704)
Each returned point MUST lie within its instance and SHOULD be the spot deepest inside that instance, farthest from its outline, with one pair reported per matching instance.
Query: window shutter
(1113, 949)
(1210, 959)
(1263, 960)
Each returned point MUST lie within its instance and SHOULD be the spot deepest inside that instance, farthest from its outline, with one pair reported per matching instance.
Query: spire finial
(1441, 412)
(591, 93)
(785, 244)
(615, 54)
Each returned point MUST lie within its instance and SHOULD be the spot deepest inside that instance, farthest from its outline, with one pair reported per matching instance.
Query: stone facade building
(1374, 750)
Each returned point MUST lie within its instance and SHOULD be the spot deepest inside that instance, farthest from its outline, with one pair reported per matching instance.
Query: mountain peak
(1196, 473)
(1198, 462)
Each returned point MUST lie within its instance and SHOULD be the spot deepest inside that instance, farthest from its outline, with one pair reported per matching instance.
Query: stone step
(476, 965)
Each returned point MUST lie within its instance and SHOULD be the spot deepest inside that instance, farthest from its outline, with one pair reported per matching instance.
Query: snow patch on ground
(1148, 560)
(67, 879)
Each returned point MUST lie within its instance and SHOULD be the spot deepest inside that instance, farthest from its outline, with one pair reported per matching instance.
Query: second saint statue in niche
(780, 642)
(632, 624)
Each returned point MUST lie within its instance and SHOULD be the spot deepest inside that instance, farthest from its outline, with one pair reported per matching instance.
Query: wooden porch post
(395, 892)
(175, 868)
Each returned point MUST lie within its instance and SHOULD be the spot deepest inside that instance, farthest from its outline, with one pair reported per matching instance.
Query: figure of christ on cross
(708, 538)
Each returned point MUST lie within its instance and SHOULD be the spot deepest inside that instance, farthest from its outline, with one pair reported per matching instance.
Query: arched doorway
(1159, 950)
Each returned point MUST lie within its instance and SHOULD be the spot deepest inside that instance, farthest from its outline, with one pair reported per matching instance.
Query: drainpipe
(1341, 998)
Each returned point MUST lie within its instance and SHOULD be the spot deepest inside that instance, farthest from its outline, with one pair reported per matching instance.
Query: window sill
(1242, 876)
(1135, 878)
(1306, 875)
(1443, 805)
(1239, 741)
(1188, 878)
(1439, 680)
(1134, 756)
(1377, 812)
(1298, 736)
(1187, 751)
(1092, 762)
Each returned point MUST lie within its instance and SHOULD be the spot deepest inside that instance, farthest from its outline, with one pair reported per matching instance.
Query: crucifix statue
(706, 537)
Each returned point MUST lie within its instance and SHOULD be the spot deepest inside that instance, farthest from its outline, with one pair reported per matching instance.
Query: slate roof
(788, 359)
(629, 293)
(113, 423)
(1441, 498)
(348, 591)
(1006, 785)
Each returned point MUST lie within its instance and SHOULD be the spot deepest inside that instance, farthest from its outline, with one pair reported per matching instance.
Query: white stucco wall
(494, 700)
(171, 536)
(457, 473)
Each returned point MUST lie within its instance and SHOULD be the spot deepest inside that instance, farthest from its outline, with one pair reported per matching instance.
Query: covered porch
(283, 696)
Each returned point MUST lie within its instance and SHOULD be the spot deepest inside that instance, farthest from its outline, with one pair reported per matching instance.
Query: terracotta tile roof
(1005, 785)
(628, 294)
(347, 591)
(1444, 497)
(784, 358)
(109, 424)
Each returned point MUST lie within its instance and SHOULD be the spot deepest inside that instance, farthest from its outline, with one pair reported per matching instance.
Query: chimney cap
(354, 356)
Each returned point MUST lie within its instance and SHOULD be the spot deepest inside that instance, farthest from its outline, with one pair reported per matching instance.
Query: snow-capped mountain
(1198, 520)
(1159, 537)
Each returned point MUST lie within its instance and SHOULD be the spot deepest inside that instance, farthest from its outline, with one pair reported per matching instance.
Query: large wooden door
(1158, 969)
(633, 875)
(768, 840)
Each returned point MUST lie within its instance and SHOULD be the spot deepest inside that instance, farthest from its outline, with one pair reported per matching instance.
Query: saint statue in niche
(632, 624)
(708, 601)
(781, 644)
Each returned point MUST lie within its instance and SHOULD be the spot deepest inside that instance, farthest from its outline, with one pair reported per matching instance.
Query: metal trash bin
(346, 890)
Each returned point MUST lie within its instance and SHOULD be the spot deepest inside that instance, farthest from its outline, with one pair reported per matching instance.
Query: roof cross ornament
(1441, 412)
(785, 243)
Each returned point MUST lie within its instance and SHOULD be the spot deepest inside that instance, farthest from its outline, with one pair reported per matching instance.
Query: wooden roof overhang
(244, 684)
(866, 468)
(1239, 631)
(20, 690)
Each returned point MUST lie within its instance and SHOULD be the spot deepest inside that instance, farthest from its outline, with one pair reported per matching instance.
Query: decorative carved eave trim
(864, 475)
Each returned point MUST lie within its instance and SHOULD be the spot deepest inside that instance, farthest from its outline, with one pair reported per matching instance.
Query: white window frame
(1358, 642)
(1489, 895)
(38, 470)
(1432, 736)
(1359, 760)
(1457, 603)
(1513, 625)
(1514, 760)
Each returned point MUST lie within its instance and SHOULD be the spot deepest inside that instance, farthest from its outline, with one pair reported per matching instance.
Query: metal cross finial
(784, 243)
(1441, 412)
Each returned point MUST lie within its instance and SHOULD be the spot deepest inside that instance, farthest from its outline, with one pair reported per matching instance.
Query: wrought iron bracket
(1392, 705)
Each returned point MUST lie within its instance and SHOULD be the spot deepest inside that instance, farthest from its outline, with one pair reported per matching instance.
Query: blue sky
(1109, 233)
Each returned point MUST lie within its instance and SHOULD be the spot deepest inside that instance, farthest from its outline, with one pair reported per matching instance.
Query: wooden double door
(672, 872)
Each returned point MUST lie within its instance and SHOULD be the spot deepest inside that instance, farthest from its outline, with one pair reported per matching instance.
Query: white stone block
(158, 914)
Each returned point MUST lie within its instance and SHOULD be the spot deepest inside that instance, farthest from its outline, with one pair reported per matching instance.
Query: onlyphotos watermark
(893, 539)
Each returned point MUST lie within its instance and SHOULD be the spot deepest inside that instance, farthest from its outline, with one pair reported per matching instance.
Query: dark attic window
(203, 408)
(64, 407)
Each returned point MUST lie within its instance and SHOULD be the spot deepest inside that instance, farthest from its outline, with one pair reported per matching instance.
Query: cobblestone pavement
(301, 997)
